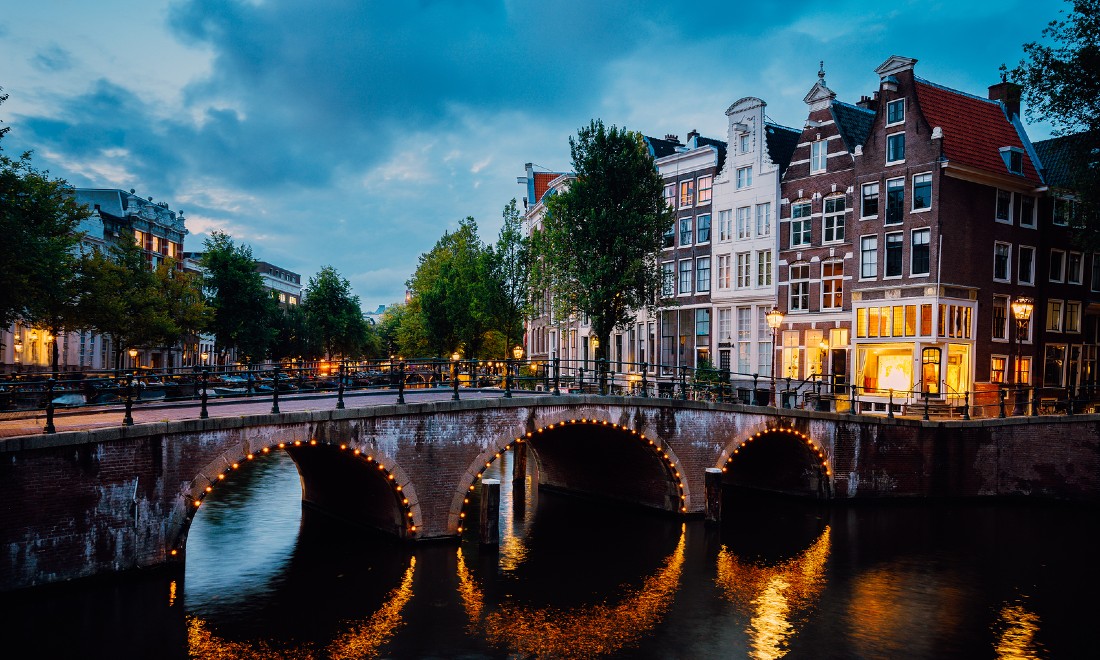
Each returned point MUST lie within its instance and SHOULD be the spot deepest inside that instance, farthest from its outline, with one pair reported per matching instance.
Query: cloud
(52, 59)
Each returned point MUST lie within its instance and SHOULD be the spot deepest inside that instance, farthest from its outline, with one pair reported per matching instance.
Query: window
(1063, 211)
(687, 192)
(668, 279)
(895, 201)
(1057, 265)
(744, 177)
(922, 192)
(1000, 318)
(670, 195)
(744, 337)
(818, 150)
(1026, 271)
(725, 225)
(724, 276)
(1073, 267)
(764, 268)
(1023, 370)
(1027, 211)
(744, 222)
(705, 183)
(1073, 317)
(702, 274)
(744, 143)
(895, 148)
(1054, 360)
(744, 270)
(685, 231)
(800, 224)
(868, 257)
(869, 206)
(997, 368)
(702, 228)
(895, 112)
(799, 288)
(894, 243)
(764, 219)
(919, 256)
(764, 346)
(685, 276)
(669, 238)
(834, 220)
(724, 324)
(832, 284)
(702, 322)
(1054, 315)
(1001, 252)
(1014, 159)
(1004, 206)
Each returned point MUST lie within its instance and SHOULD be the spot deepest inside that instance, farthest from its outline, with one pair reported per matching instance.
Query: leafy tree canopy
(244, 310)
(334, 316)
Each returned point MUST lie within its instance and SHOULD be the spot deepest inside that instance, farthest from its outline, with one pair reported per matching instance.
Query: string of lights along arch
(662, 454)
(398, 489)
(810, 444)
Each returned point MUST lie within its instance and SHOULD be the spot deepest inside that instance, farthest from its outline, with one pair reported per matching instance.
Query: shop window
(883, 368)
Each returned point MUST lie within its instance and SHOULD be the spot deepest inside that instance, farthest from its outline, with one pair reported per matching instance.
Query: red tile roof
(542, 184)
(974, 129)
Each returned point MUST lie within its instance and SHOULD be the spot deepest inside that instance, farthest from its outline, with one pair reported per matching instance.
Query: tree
(292, 336)
(39, 218)
(510, 271)
(243, 308)
(333, 315)
(1061, 81)
(401, 331)
(181, 312)
(597, 250)
(452, 293)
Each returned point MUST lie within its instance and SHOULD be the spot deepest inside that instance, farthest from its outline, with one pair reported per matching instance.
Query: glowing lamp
(517, 352)
(775, 318)
(1022, 308)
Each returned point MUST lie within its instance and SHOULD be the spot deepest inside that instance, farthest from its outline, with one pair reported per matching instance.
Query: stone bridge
(86, 502)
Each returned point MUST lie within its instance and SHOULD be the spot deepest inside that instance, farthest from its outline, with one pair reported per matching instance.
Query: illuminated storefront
(904, 349)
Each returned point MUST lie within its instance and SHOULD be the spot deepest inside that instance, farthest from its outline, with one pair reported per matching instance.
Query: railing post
(342, 372)
(1035, 402)
(854, 407)
(966, 404)
(203, 414)
(580, 379)
(400, 382)
(755, 384)
(601, 376)
(275, 392)
(454, 379)
(645, 381)
(557, 376)
(610, 380)
(49, 406)
(1069, 401)
(128, 418)
(683, 382)
(248, 387)
(508, 378)
(1001, 402)
(925, 405)
(546, 377)
(890, 404)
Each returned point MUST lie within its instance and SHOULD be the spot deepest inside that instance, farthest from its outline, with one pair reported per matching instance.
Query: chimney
(1007, 93)
(692, 135)
(674, 139)
(866, 103)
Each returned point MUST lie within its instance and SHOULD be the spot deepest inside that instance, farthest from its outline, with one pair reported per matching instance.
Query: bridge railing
(54, 394)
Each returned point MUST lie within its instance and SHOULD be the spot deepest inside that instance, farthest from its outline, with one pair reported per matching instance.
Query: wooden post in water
(489, 532)
(712, 484)
(519, 475)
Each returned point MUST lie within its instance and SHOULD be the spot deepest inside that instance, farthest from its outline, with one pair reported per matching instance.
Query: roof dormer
(893, 66)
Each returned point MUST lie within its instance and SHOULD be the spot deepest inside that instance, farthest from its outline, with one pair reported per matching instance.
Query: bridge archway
(595, 457)
(362, 487)
(779, 459)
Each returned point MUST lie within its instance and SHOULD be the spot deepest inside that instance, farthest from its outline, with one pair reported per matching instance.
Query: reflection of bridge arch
(666, 488)
(578, 632)
(385, 478)
(779, 458)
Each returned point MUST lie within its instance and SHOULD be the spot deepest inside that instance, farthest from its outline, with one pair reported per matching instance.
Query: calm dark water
(576, 579)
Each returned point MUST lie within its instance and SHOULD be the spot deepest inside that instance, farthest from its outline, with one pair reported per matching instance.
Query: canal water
(577, 579)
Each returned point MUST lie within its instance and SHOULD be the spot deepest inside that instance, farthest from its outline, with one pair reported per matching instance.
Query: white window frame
(668, 277)
(997, 206)
(819, 151)
(744, 143)
(1031, 275)
(670, 195)
(913, 250)
(690, 273)
(863, 197)
(742, 270)
(801, 219)
(710, 229)
(886, 202)
(834, 216)
(864, 252)
(1071, 276)
(838, 281)
(687, 198)
(1075, 327)
(889, 139)
(922, 209)
(743, 223)
(1055, 310)
(1008, 261)
(690, 232)
(725, 278)
(1004, 322)
(744, 177)
(895, 102)
(725, 225)
(709, 189)
(886, 255)
(1025, 220)
(764, 220)
(700, 280)
(763, 268)
(1061, 277)
(799, 288)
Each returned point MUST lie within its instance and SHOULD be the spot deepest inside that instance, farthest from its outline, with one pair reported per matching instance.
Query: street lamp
(204, 355)
(133, 356)
(517, 352)
(1021, 310)
(775, 319)
(821, 365)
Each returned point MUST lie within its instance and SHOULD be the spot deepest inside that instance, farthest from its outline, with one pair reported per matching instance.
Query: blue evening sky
(354, 133)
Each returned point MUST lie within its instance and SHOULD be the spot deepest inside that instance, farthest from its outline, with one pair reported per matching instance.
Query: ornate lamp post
(775, 319)
(204, 356)
(133, 356)
(1021, 310)
(454, 374)
(18, 354)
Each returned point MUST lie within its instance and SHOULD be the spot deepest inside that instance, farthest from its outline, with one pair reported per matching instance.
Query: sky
(353, 133)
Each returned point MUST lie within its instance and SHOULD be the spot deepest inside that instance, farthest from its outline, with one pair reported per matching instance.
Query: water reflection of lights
(1018, 627)
(362, 639)
(775, 595)
(581, 632)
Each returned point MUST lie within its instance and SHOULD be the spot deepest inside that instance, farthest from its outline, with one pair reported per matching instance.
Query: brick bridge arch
(80, 503)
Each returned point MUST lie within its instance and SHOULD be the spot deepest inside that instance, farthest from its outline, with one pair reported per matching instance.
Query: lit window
(922, 192)
(818, 151)
(1054, 360)
(895, 112)
(687, 192)
(997, 368)
(868, 257)
(919, 260)
(895, 148)
(1001, 260)
(869, 206)
(834, 220)
(1073, 317)
(705, 183)
(1054, 315)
